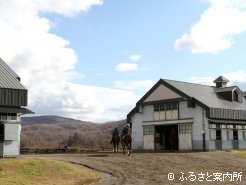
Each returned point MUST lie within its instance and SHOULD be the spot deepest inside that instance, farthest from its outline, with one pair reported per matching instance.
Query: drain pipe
(203, 131)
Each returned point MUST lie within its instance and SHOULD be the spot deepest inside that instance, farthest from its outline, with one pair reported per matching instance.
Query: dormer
(232, 93)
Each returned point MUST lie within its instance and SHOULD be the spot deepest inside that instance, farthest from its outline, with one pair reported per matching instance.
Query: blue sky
(93, 59)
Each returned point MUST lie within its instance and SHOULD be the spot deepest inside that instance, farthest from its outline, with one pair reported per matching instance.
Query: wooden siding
(162, 93)
(227, 114)
(11, 148)
(12, 131)
(13, 97)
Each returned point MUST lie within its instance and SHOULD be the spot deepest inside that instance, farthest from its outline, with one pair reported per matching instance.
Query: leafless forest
(54, 131)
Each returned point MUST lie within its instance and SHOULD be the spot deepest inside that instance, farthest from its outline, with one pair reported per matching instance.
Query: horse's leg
(128, 151)
(123, 148)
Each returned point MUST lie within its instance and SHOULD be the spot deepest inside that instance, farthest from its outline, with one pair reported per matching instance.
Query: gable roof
(8, 78)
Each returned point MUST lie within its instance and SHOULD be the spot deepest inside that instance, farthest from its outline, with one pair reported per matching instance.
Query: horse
(115, 141)
(126, 142)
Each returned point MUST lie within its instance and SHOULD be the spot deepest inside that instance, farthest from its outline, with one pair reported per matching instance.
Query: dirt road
(153, 168)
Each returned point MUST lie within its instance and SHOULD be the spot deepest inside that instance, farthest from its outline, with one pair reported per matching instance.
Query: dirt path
(153, 168)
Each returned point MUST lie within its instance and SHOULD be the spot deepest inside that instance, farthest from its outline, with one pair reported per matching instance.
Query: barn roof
(8, 78)
(206, 96)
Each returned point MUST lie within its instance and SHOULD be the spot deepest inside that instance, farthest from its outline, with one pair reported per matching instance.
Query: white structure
(13, 96)
(176, 115)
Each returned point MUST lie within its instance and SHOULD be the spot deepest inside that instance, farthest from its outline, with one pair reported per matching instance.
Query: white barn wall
(11, 148)
(148, 113)
(137, 131)
(11, 144)
(199, 118)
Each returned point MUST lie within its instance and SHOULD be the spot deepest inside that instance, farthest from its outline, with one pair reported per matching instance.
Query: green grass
(41, 171)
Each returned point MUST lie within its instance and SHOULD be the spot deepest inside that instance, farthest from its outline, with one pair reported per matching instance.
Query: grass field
(41, 171)
(241, 153)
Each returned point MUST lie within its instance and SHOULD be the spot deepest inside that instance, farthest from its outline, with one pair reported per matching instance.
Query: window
(217, 125)
(8, 116)
(211, 125)
(166, 111)
(148, 130)
(185, 129)
(239, 126)
(4, 116)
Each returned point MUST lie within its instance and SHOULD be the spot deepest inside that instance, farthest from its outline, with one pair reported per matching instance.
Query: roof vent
(221, 82)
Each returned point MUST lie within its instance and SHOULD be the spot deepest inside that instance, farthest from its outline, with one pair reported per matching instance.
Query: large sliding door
(149, 137)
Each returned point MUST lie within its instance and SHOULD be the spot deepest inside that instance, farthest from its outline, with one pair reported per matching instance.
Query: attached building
(13, 96)
(176, 115)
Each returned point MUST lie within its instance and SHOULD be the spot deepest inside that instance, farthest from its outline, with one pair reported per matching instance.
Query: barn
(13, 98)
(175, 115)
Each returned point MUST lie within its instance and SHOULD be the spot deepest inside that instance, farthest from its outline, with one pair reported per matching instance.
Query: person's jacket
(115, 132)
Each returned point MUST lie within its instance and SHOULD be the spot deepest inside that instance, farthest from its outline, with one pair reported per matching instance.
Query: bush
(75, 149)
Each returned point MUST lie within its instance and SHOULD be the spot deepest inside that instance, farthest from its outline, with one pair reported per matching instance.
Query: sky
(94, 59)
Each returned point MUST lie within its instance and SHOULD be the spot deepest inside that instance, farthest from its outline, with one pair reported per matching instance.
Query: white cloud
(143, 85)
(125, 67)
(135, 58)
(237, 78)
(46, 64)
(216, 27)
(202, 80)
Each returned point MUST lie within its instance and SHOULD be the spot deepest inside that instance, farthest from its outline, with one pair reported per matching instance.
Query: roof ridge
(187, 82)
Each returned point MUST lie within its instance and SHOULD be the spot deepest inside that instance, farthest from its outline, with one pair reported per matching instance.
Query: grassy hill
(54, 131)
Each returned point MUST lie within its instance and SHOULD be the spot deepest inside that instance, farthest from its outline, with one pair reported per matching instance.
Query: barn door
(149, 137)
(185, 142)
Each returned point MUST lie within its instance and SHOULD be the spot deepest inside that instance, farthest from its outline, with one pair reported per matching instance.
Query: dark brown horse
(115, 141)
(126, 142)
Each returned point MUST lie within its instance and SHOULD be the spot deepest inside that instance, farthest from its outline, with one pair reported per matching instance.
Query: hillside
(54, 131)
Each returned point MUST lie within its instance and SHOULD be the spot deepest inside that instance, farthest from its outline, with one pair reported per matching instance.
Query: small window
(148, 130)
(174, 106)
(223, 126)
(211, 125)
(13, 116)
(217, 125)
(156, 108)
(162, 107)
(184, 129)
(4, 116)
(229, 126)
(169, 106)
